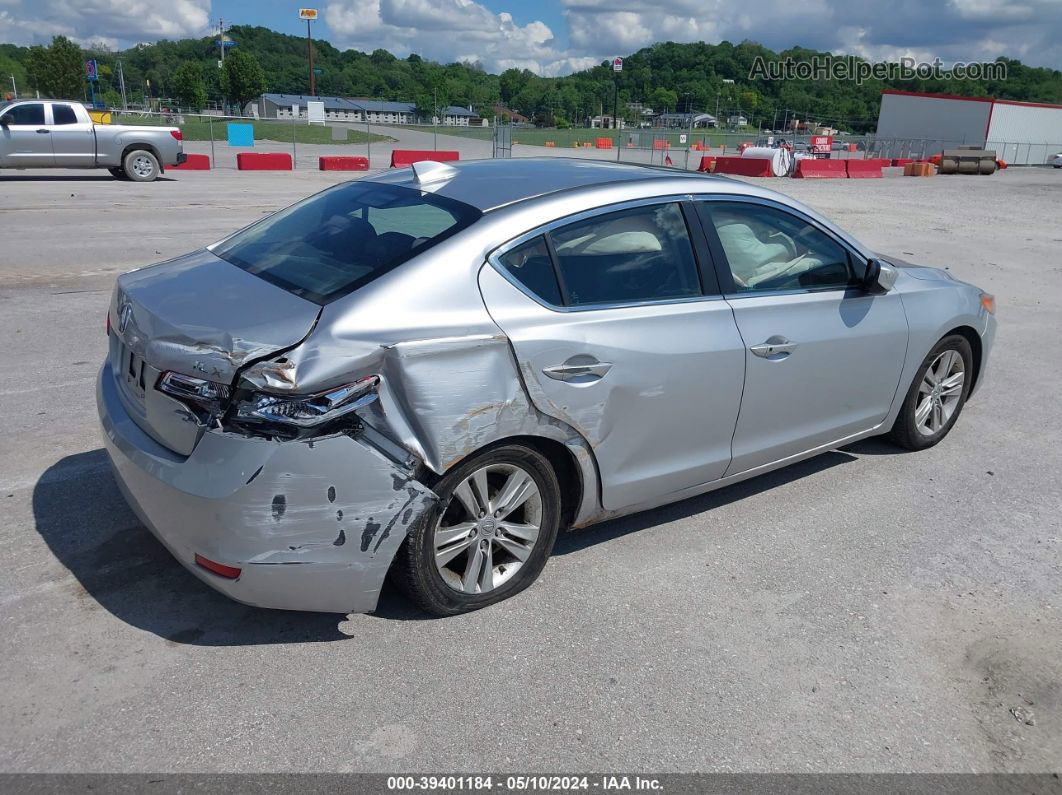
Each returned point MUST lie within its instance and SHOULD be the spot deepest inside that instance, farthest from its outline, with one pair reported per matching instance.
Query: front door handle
(568, 372)
(776, 347)
(43, 132)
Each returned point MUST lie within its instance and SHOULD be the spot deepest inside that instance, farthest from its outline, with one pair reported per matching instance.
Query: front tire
(140, 165)
(490, 535)
(937, 395)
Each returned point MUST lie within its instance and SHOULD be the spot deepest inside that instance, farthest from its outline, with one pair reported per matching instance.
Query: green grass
(200, 129)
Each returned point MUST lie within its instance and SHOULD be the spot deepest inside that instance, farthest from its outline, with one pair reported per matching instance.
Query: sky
(554, 37)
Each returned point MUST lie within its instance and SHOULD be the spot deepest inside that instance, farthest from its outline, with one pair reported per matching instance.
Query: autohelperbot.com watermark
(825, 67)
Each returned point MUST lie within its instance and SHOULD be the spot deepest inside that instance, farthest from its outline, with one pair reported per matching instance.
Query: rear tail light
(220, 569)
(199, 392)
(177, 134)
(306, 411)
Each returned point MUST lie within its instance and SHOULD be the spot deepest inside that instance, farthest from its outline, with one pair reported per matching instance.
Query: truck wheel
(141, 166)
(118, 173)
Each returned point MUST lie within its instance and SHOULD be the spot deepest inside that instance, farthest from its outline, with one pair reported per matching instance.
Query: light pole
(14, 88)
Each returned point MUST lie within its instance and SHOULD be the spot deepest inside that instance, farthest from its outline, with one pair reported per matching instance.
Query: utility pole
(309, 51)
(14, 88)
(221, 39)
(121, 82)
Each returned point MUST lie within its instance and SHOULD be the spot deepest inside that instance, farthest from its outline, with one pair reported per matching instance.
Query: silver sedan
(432, 371)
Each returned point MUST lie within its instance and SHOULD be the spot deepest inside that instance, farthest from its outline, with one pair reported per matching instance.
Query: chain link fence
(212, 134)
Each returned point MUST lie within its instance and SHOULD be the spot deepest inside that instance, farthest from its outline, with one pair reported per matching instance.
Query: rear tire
(937, 395)
(472, 551)
(140, 165)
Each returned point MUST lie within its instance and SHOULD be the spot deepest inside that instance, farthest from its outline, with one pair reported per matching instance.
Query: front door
(25, 141)
(823, 356)
(616, 336)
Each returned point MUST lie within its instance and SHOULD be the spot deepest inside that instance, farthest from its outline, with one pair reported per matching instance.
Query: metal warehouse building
(1022, 133)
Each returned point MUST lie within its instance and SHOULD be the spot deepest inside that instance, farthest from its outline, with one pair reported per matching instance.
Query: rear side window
(26, 114)
(530, 264)
(641, 254)
(63, 114)
(333, 243)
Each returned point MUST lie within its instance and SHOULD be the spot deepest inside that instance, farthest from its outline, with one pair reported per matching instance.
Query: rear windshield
(336, 241)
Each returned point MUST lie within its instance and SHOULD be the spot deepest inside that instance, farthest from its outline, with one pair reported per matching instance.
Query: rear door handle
(43, 132)
(776, 347)
(567, 372)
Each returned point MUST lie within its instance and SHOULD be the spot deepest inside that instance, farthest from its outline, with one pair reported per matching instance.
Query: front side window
(768, 249)
(640, 254)
(336, 241)
(63, 114)
(31, 114)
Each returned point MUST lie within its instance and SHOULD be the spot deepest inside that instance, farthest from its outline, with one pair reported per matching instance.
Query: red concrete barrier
(403, 157)
(337, 163)
(809, 168)
(744, 166)
(707, 164)
(863, 169)
(661, 143)
(603, 143)
(902, 161)
(193, 163)
(263, 161)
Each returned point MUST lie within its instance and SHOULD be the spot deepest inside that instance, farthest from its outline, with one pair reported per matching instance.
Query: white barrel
(781, 159)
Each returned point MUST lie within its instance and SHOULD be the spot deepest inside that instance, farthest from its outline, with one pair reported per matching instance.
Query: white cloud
(448, 30)
(107, 21)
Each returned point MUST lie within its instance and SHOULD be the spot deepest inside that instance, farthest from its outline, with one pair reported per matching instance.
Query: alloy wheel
(939, 392)
(489, 528)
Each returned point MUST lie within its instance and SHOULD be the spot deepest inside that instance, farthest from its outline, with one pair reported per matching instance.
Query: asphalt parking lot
(868, 610)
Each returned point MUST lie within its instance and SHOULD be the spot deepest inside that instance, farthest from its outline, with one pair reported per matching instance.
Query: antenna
(428, 171)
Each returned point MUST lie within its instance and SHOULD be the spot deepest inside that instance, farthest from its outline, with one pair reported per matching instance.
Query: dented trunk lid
(200, 316)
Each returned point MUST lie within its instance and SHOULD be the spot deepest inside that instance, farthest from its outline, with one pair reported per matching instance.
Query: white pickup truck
(53, 134)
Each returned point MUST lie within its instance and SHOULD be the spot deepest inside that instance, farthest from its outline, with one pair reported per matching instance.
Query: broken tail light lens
(208, 395)
(306, 411)
(989, 303)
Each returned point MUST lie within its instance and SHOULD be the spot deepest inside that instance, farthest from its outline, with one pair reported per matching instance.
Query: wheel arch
(976, 347)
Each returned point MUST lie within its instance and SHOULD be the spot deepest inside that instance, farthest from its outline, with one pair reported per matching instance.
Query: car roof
(490, 184)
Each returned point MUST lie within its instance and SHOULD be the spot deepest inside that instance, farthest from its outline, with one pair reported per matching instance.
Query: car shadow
(68, 178)
(84, 520)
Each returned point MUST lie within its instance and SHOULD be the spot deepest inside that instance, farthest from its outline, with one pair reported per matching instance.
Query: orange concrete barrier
(603, 143)
(263, 161)
(743, 166)
(403, 157)
(193, 163)
(661, 143)
(707, 164)
(919, 170)
(863, 169)
(809, 168)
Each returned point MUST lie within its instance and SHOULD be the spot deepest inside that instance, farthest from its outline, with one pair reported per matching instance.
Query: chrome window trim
(494, 257)
(843, 242)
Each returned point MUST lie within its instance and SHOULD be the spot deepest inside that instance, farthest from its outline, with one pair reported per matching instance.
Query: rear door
(25, 139)
(73, 140)
(823, 356)
(620, 332)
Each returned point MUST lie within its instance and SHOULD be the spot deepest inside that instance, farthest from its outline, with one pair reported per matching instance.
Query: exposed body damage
(312, 525)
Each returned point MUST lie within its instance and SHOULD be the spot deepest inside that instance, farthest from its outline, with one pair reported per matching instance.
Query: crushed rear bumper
(312, 525)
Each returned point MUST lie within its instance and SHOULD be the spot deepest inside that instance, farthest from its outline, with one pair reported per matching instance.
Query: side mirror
(879, 277)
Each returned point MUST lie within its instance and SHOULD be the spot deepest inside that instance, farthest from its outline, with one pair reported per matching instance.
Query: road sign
(308, 13)
(92, 70)
(617, 64)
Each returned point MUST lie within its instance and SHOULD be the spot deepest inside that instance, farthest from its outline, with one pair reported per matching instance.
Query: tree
(58, 70)
(188, 86)
(242, 78)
